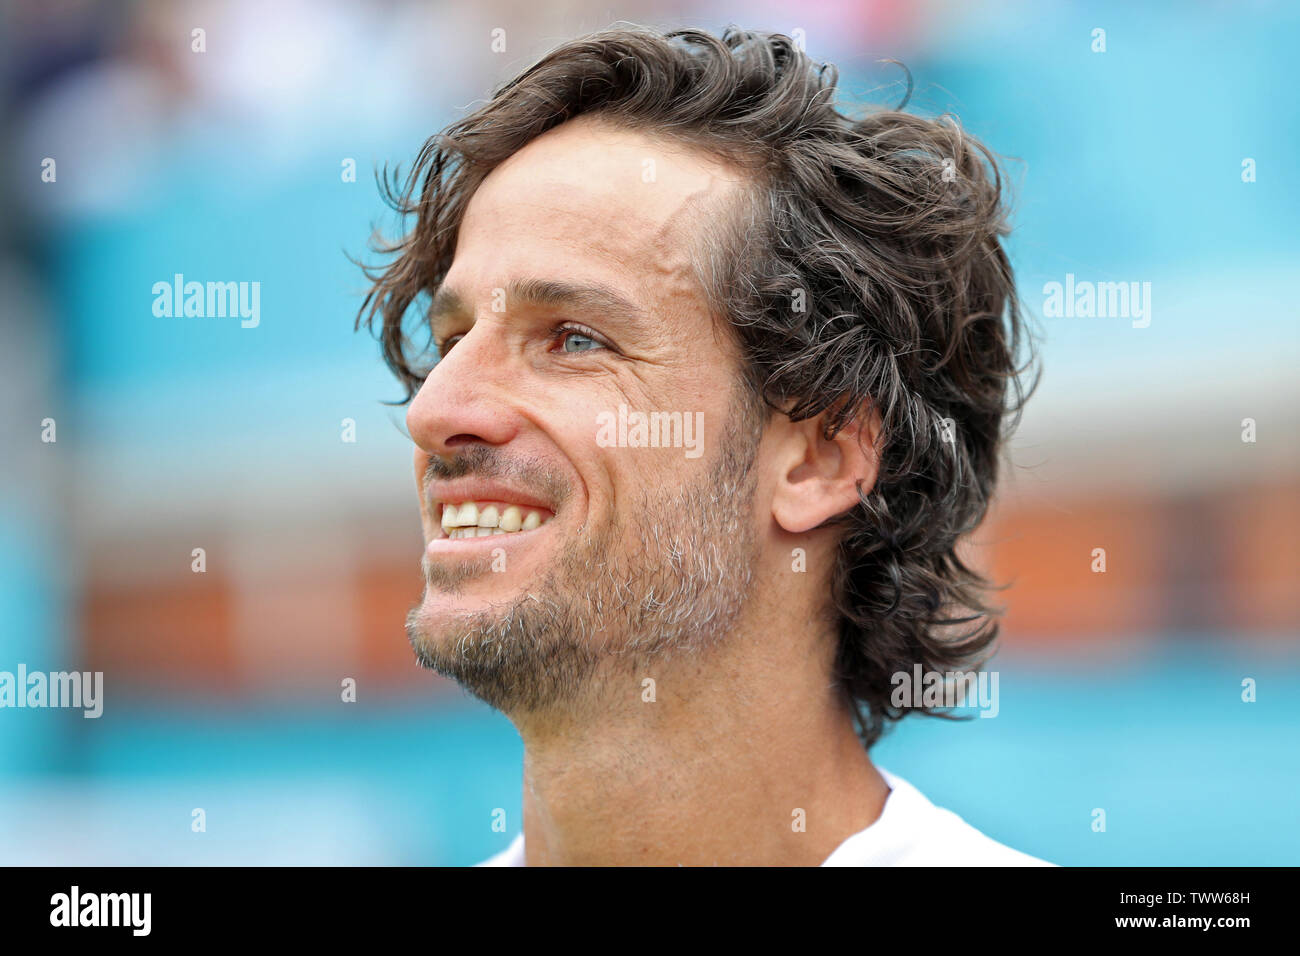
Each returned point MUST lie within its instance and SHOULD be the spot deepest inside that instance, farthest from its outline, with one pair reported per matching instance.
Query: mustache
(484, 461)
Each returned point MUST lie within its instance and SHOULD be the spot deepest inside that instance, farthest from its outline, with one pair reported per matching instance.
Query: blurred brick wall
(1224, 562)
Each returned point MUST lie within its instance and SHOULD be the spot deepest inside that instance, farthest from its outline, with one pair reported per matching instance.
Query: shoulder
(912, 831)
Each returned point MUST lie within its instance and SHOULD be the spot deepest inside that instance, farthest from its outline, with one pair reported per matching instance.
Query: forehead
(590, 200)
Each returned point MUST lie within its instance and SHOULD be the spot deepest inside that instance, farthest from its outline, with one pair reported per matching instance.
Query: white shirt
(910, 831)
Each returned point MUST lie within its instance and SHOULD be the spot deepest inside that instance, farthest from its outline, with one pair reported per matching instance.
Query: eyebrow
(549, 293)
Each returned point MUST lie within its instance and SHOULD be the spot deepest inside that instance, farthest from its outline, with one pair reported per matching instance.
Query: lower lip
(440, 546)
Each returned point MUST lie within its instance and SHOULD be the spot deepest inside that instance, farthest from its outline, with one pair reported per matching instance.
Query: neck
(741, 759)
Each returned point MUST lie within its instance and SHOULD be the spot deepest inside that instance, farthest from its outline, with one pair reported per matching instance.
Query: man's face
(572, 308)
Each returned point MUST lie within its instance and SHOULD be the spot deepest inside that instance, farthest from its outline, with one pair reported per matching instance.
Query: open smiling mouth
(480, 519)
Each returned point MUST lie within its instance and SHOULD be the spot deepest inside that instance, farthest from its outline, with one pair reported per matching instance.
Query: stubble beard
(670, 578)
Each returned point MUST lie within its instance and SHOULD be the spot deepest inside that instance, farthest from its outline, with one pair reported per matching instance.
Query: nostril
(456, 441)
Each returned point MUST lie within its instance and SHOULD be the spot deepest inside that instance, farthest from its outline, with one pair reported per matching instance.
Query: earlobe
(825, 477)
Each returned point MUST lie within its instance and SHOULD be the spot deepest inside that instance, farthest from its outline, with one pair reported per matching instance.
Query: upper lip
(460, 490)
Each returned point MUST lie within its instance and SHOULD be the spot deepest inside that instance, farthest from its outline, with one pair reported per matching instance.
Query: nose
(465, 399)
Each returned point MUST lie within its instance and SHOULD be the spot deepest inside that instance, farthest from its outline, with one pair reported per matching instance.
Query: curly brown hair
(863, 270)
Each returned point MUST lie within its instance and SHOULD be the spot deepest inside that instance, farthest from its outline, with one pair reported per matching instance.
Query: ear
(820, 477)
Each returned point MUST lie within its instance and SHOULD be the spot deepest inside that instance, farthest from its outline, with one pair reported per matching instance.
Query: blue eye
(575, 341)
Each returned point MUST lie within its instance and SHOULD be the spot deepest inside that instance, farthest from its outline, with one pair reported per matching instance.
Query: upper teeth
(472, 519)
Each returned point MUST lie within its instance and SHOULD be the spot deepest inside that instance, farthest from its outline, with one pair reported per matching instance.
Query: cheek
(421, 463)
(646, 475)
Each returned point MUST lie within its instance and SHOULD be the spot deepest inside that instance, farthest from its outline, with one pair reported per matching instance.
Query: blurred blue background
(231, 164)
